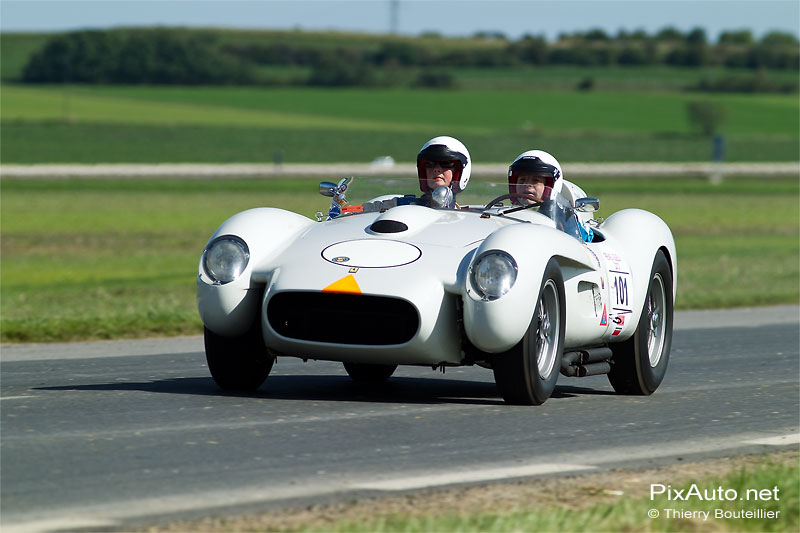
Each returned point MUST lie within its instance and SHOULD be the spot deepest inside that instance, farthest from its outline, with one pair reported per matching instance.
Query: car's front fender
(495, 326)
(229, 309)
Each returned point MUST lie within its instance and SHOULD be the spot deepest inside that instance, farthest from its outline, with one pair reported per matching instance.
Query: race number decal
(619, 284)
(620, 288)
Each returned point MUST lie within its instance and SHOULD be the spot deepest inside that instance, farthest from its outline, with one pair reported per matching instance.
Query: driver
(442, 161)
(538, 174)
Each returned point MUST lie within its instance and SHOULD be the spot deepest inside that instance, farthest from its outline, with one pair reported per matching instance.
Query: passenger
(532, 185)
(442, 161)
(538, 175)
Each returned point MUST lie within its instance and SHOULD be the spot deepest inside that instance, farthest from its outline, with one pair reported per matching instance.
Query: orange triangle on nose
(346, 284)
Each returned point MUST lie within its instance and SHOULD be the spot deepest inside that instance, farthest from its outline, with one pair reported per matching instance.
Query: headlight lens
(225, 259)
(493, 274)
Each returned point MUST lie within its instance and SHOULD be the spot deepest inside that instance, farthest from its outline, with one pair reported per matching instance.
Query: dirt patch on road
(572, 492)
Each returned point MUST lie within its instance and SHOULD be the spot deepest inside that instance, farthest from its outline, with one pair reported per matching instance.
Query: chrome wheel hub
(656, 303)
(548, 314)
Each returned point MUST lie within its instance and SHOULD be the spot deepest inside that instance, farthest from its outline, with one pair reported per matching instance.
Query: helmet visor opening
(444, 165)
(535, 167)
(440, 152)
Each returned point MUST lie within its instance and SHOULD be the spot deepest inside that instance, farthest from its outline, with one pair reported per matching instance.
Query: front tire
(640, 363)
(368, 373)
(527, 373)
(238, 364)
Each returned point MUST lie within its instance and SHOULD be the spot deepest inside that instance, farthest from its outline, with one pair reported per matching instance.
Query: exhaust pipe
(590, 362)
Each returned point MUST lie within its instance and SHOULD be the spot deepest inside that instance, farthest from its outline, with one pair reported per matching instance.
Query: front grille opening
(342, 318)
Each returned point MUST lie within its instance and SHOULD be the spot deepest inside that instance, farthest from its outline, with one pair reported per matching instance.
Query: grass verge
(98, 259)
(619, 500)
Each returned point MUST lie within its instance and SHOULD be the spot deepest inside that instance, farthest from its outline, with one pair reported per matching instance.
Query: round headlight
(493, 274)
(225, 259)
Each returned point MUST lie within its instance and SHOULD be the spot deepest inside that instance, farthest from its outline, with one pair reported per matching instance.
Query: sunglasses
(446, 165)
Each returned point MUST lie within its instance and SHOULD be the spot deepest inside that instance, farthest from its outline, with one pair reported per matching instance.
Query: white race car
(513, 288)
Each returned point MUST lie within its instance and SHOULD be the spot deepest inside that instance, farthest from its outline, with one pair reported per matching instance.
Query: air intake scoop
(406, 220)
(388, 226)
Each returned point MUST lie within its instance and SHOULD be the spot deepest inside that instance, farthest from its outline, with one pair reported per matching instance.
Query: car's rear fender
(496, 326)
(638, 235)
(229, 309)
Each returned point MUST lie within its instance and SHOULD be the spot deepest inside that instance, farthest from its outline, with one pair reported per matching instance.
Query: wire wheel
(239, 364)
(656, 309)
(548, 330)
(527, 373)
(640, 362)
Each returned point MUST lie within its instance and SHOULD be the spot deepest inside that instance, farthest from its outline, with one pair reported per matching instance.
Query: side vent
(388, 226)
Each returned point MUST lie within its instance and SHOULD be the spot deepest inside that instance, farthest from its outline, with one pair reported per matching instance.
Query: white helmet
(538, 163)
(445, 149)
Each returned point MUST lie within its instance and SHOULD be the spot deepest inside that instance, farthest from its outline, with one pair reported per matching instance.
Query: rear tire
(239, 364)
(367, 373)
(527, 373)
(640, 363)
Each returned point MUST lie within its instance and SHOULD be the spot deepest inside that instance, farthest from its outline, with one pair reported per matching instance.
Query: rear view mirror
(442, 197)
(587, 205)
(326, 188)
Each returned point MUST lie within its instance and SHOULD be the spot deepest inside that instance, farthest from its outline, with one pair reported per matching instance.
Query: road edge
(745, 317)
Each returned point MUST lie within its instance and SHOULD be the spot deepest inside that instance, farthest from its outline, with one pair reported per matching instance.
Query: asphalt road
(113, 434)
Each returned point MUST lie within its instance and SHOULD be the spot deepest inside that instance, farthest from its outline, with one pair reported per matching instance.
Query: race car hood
(391, 238)
(417, 224)
(412, 238)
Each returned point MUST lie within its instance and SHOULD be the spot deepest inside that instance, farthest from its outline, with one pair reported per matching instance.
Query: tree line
(133, 57)
(166, 56)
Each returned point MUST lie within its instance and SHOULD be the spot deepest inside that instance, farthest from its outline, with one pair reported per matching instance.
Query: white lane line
(473, 476)
(780, 440)
(16, 397)
(59, 524)
(110, 516)
(96, 349)
(237, 426)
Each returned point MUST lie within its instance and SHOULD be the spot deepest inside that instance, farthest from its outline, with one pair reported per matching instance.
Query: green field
(91, 259)
(88, 259)
(178, 124)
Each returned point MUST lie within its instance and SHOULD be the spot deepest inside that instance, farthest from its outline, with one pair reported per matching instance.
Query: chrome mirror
(442, 197)
(587, 205)
(327, 188)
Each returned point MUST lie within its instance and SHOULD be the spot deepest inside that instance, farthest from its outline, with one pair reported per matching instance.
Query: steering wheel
(512, 196)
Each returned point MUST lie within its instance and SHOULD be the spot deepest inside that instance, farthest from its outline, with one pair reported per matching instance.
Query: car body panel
(427, 267)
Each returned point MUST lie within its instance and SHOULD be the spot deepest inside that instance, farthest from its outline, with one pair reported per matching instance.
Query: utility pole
(393, 16)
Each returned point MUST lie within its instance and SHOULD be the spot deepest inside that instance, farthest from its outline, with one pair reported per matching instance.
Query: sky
(453, 18)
